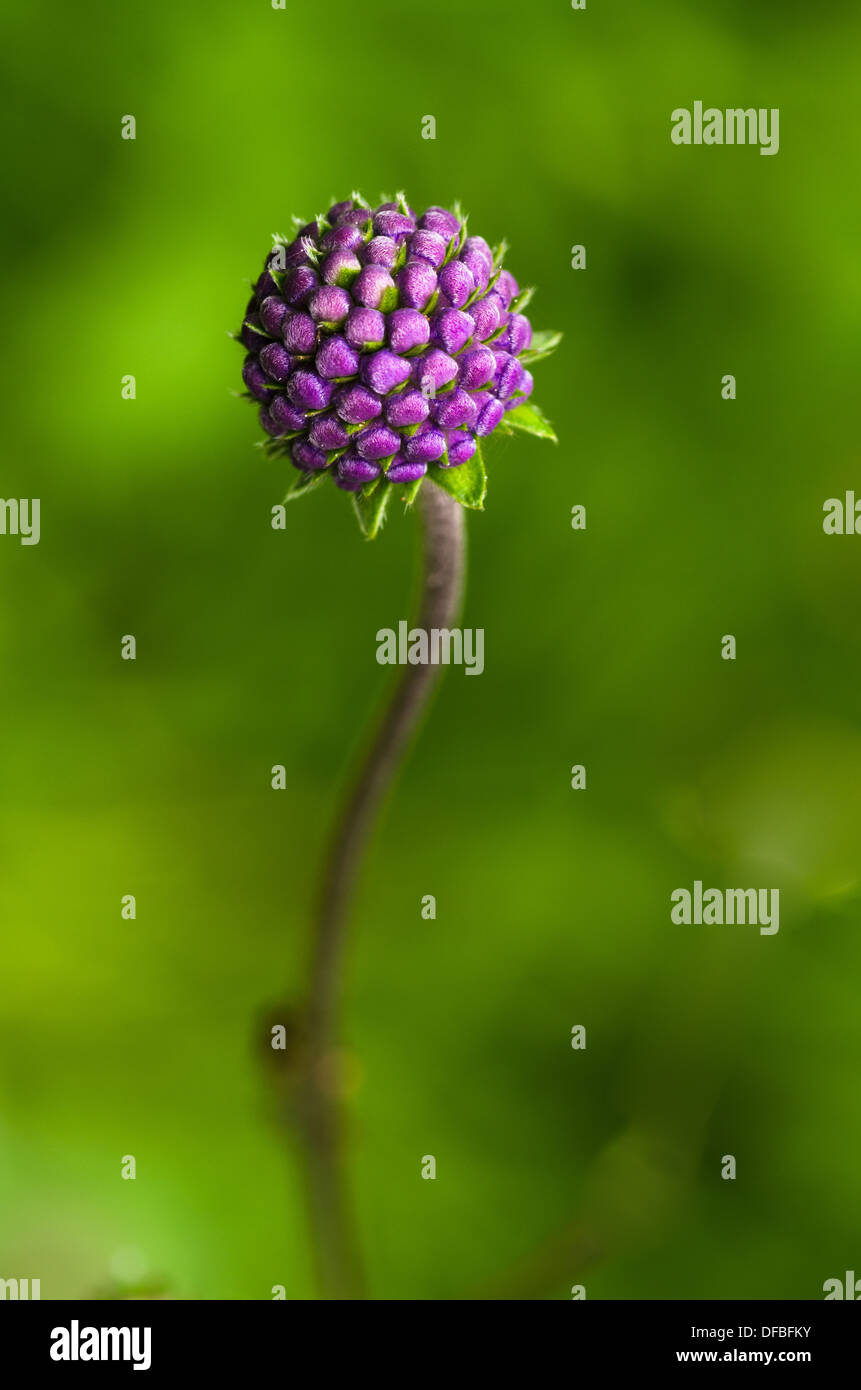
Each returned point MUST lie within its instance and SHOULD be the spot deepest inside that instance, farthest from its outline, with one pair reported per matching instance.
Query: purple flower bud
(407, 329)
(440, 221)
(327, 432)
(345, 238)
(460, 446)
(340, 268)
(524, 390)
(406, 408)
(365, 328)
(255, 379)
(266, 286)
(434, 369)
(294, 254)
(416, 283)
(299, 332)
(267, 423)
(456, 283)
(518, 335)
(490, 412)
(383, 371)
(337, 210)
(276, 362)
(272, 312)
(402, 472)
(329, 304)
(353, 468)
(476, 245)
(308, 392)
(452, 329)
(251, 335)
(477, 368)
(425, 446)
(455, 409)
(507, 376)
(428, 246)
(377, 442)
(506, 287)
(299, 283)
(477, 266)
(374, 288)
(306, 457)
(356, 404)
(380, 250)
(358, 217)
(486, 316)
(346, 484)
(335, 358)
(286, 415)
(393, 224)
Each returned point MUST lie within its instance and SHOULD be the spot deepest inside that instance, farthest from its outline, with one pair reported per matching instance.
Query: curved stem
(332, 1224)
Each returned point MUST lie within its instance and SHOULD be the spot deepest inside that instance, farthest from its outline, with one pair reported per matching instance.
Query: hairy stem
(321, 1114)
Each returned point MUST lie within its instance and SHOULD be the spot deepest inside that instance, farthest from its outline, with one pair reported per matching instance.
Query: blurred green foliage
(257, 647)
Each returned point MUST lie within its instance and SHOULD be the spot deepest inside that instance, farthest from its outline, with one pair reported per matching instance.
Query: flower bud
(425, 446)
(356, 405)
(365, 329)
(416, 283)
(340, 268)
(490, 412)
(276, 362)
(406, 408)
(299, 332)
(460, 447)
(452, 329)
(384, 370)
(380, 250)
(377, 442)
(353, 468)
(329, 304)
(256, 380)
(407, 329)
(455, 410)
(272, 312)
(306, 457)
(402, 472)
(374, 288)
(456, 283)
(299, 284)
(433, 370)
(307, 391)
(477, 368)
(335, 358)
(327, 432)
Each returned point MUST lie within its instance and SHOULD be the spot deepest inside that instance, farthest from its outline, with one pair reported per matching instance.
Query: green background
(257, 647)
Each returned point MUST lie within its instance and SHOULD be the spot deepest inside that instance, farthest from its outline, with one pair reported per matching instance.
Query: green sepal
(371, 508)
(531, 420)
(520, 301)
(467, 483)
(409, 490)
(304, 482)
(389, 299)
(542, 345)
(499, 253)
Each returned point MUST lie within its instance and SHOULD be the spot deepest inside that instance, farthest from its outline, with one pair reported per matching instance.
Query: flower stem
(321, 1113)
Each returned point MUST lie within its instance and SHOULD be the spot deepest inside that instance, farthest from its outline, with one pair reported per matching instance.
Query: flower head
(382, 346)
